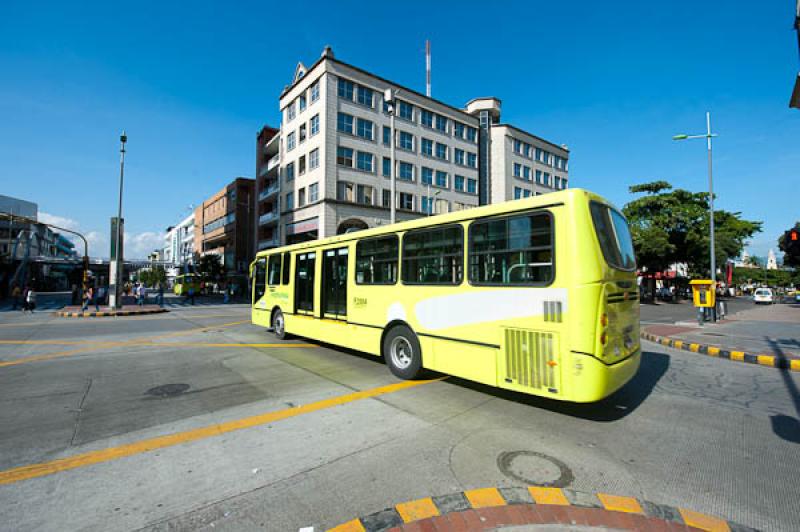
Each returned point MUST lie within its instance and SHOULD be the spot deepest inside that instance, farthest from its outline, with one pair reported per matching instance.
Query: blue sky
(193, 83)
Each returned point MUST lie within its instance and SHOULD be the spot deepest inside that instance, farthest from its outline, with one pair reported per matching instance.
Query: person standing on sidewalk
(16, 292)
(161, 294)
(30, 300)
(190, 293)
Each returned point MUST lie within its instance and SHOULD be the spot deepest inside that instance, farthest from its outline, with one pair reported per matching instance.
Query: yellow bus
(184, 282)
(537, 295)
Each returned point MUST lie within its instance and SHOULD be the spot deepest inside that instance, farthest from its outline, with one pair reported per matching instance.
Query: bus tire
(278, 323)
(402, 352)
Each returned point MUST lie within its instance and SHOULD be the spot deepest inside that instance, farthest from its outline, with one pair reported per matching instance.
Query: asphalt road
(159, 422)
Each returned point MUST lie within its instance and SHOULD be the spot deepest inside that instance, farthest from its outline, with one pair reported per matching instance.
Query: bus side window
(274, 276)
(259, 280)
(286, 261)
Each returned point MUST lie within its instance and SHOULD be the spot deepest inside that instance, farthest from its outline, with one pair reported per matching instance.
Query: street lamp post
(389, 96)
(116, 272)
(708, 136)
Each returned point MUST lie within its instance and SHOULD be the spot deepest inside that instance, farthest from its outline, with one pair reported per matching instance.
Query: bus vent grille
(530, 358)
(552, 311)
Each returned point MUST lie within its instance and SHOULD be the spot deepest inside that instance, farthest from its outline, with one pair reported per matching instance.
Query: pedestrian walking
(160, 294)
(30, 299)
(142, 293)
(16, 292)
(190, 293)
(87, 298)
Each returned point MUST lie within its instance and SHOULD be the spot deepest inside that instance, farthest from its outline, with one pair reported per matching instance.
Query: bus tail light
(604, 320)
(604, 338)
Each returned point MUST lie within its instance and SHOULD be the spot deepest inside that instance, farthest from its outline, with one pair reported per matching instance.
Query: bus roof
(551, 199)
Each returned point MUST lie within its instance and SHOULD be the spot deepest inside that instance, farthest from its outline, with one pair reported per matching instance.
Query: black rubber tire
(400, 333)
(278, 323)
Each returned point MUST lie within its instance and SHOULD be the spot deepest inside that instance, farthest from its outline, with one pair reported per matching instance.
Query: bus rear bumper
(600, 380)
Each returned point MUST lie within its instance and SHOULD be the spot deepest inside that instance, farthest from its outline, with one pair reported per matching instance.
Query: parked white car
(763, 295)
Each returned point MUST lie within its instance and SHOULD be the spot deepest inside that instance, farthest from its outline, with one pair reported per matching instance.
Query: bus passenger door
(305, 265)
(259, 282)
(334, 283)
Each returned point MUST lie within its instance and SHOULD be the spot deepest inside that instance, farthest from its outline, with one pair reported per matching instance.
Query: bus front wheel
(402, 352)
(278, 324)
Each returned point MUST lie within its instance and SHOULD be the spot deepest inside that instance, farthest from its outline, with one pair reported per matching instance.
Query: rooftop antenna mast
(427, 68)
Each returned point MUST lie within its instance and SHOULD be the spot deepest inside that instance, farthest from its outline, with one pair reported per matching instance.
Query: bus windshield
(614, 236)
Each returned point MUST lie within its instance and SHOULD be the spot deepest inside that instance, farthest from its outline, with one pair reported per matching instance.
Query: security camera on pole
(116, 271)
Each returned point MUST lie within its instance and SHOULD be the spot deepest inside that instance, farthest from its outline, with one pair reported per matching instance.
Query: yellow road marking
(416, 510)
(350, 526)
(147, 342)
(485, 497)
(766, 360)
(548, 496)
(61, 354)
(17, 474)
(703, 521)
(620, 504)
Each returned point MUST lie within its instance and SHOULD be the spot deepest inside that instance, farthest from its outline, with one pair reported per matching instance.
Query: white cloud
(66, 223)
(140, 245)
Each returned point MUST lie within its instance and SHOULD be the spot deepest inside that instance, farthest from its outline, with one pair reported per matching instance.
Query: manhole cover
(167, 390)
(535, 468)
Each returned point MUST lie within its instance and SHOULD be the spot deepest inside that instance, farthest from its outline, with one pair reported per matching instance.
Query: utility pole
(116, 267)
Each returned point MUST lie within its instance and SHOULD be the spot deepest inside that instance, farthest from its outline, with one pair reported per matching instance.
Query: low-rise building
(223, 225)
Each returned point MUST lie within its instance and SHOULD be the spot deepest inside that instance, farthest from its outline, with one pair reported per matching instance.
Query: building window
(344, 191)
(314, 124)
(302, 103)
(290, 112)
(517, 193)
(526, 173)
(517, 250)
(387, 167)
(290, 141)
(459, 182)
(313, 192)
(426, 146)
(472, 159)
(344, 156)
(387, 135)
(563, 183)
(459, 130)
(441, 179)
(405, 201)
(365, 96)
(517, 170)
(364, 128)
(344, 123)
(459, 156)
(426, 118)
(546, 178)
(302, 133)
(426, 205)
(441, 151)
(406, 141)
(472, 186)
(472, 134)
(539, 177)
(315, 92)
(346, 89)
(313, 159)
(427, 176)
(406, 111)
(528, 151)
(434, 256)
(289, 171)
(290, 201)
(441, 123)
(387, 198)
(364, 194)
(301, 165)
(364, 161)
(376, 260)
(301, 197)
(518, 146)
(406, 171)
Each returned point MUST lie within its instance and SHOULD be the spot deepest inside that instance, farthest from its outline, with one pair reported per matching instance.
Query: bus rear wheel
(279, 324)
(402, 352)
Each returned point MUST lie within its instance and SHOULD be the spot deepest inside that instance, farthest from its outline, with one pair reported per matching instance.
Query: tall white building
(179, 242)
(331, 156)
(772, 263)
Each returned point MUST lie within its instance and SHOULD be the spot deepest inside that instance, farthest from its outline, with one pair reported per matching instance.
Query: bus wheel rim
(401, 352)
(279, 323)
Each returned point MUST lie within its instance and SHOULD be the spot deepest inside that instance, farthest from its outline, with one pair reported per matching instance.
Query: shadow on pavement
(612, 408)
(786, 427)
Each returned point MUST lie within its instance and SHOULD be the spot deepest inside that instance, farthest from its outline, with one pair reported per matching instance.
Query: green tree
(210, 267)
(790, 255)
(671, 225)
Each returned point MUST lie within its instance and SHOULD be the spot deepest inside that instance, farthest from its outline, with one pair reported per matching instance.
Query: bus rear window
(614, 236)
